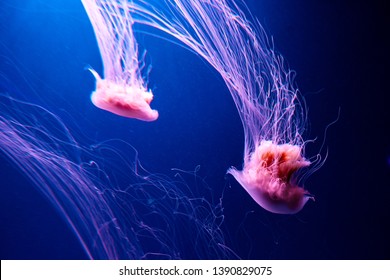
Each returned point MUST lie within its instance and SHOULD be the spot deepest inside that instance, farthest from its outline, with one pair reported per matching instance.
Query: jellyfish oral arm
(268, 177)
(123, 100)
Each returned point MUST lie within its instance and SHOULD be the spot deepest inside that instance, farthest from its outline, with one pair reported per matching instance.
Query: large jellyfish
(270, 108)
(123, 90)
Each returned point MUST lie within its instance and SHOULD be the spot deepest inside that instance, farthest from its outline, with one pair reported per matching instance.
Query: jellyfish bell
(123, 100)
(268, 177)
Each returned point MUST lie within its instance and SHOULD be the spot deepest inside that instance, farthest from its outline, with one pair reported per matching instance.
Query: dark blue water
(339, 53)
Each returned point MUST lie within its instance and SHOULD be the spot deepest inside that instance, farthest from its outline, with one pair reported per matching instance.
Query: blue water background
(336, 48)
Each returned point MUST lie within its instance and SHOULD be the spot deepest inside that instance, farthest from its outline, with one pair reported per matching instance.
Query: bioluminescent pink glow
(123, 90)
(269, 106)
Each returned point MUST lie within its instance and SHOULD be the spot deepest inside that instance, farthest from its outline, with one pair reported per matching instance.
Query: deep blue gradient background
(339, 52)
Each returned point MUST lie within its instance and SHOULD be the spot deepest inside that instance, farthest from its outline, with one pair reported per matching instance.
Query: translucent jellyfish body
(267, 177)
(124, 100)
(123, 90)
(260, 84)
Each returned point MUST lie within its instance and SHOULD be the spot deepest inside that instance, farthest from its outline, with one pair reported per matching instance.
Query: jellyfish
(122, 91)
(271, 109)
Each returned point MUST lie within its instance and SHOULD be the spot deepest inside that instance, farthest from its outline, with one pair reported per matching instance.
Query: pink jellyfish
(269, 106)
(123, 90)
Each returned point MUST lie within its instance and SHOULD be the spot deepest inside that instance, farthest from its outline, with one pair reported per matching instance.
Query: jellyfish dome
(267, 177)
(124, 100)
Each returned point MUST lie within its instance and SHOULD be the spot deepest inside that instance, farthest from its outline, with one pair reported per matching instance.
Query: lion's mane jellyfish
(123, 90)
(262, 88)
(266, 176)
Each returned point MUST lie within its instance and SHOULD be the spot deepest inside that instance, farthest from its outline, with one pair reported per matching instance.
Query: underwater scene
(194, 129)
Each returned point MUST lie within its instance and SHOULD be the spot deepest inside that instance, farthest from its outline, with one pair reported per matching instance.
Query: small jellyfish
(270, 108)
(123, 90)
(123, 100)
